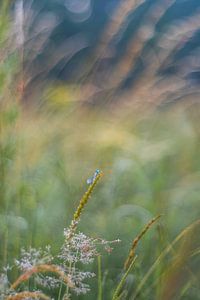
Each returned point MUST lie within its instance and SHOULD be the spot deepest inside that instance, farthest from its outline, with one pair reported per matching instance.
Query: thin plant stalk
(122, 281)
(67, 289)
(60, 290)
(99, 278)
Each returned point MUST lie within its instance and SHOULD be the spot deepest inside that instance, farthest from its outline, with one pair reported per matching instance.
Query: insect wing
(90, 180)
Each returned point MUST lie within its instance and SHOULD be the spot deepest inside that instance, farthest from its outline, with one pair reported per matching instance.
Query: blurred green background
(52, 141)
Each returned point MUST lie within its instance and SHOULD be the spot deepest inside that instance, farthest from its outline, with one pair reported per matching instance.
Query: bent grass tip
(136, 241)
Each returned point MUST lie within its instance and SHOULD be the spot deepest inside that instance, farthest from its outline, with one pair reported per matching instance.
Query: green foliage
(151, 166)
(47, 161)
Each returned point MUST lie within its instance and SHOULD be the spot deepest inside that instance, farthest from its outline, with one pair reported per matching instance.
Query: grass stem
(122, 281)
(99, 278)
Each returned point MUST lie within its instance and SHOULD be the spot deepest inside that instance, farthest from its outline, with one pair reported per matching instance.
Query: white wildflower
(33, 257)
(3, 282)
(80, 248)
(47, 281)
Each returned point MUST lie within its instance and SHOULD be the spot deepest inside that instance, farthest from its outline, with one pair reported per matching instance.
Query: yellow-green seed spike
(86, 197)
(82, 204)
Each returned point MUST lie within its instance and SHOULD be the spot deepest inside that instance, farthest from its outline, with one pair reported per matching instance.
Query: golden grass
(30, 295)
(136, 241)
(44, 268)
(185, 232)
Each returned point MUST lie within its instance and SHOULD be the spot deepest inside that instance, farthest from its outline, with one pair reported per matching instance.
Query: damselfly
(92, 179)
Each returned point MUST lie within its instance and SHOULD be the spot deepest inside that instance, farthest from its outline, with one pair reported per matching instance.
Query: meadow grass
(127, 199)
(150, 160)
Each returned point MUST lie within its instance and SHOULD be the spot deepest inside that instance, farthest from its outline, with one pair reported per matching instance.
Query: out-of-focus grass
(151, 166)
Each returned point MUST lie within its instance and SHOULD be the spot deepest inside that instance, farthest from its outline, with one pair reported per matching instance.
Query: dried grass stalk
(136, 241)
(42, 269)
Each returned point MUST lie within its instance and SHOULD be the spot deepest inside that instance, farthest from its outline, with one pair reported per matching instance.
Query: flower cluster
(33, 257)
(47, 282)
(78, 277)
(80, 248)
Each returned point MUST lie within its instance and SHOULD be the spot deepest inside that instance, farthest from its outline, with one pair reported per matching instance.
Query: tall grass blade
(122, 281)
(186, 231)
